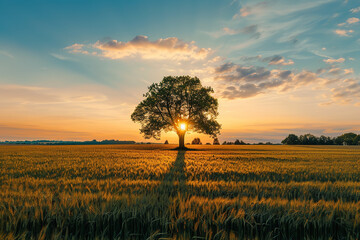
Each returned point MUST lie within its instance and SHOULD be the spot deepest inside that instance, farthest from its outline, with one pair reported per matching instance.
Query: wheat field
(153, 192)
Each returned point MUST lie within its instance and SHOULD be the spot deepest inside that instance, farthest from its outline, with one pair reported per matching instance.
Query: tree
(291, 140)
(346, 139)
(166, 142)
(216, 141)
(177, 104)
(356, 140)
(196, 141)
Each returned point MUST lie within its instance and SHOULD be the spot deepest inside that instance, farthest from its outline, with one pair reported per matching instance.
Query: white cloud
(331, 60)
(141, 46)
(344, 33)
(352, 20)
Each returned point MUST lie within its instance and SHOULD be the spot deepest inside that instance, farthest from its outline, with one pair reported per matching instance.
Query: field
(152, 192)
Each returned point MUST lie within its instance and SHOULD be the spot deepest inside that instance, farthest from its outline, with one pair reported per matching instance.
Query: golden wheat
(149, 191)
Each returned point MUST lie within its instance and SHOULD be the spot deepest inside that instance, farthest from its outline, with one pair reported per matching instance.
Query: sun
(183, 126)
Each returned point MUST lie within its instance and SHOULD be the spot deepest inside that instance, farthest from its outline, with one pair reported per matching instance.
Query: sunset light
(183, 126)
(233, 119)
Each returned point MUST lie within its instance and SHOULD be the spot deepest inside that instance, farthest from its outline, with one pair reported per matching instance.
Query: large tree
(177, 104)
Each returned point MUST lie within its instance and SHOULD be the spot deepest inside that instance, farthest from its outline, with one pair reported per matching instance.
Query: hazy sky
(75, 70)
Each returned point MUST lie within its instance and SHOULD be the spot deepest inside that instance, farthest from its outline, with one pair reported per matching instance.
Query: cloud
(331, 60)
(336, 71)
(142, 47)
(6, 54)
(250, 30)
(276, 8)
(348, 71)
(241, 81)
(77, 48)
(344, 33)
(236, 81)
(355, 10)
(278, 60)
(348, 92)
(271, 60)
(352, 20)
(60, 57)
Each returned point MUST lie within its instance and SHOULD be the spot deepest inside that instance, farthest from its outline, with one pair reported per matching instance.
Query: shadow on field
(174, 180)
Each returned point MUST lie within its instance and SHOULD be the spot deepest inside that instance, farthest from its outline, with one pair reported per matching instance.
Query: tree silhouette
(291, 140)
(216, 141)
(196, 141)
(177, 104)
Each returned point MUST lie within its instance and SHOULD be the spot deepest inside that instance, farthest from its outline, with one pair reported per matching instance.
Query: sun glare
(183, 126)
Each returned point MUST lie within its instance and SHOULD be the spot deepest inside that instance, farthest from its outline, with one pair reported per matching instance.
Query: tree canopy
(176, 101)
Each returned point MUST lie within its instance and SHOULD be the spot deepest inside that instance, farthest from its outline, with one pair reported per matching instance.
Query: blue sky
(77, 69)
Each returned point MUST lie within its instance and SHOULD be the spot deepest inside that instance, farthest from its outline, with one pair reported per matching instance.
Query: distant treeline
(309, 139)
(197, 141)
(54, 142)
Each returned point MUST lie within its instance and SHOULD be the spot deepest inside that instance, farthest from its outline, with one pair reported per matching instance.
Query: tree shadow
(174, 181)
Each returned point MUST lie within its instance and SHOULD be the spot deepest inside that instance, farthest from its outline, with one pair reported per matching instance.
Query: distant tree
(224, 143)
(196, 141)
(308, 139)
(216, 141)
(357, 140)
(349, 138)
(322, 140)
(208, 144)
(346, 139)
(237, 142)
(292, 139)
(177, 104)
(339, 140)
(166, 142)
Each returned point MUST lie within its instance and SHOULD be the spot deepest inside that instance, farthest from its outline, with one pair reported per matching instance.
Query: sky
(75, 70)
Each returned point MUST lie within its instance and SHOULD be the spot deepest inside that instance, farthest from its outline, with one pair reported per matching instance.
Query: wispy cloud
(5, 53)
(276, 8)
(251, 30)
(278, 60)
(142, 47)
(77, 48)
(60, 57)
(347, 92)
(355, 10)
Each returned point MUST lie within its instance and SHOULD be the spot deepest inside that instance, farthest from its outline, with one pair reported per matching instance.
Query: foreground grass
(142, 191)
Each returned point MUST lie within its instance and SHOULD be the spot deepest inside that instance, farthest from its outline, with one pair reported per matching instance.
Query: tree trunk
(182, 140)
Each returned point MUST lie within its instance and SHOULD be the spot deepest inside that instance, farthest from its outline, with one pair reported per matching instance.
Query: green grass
(150, 191)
